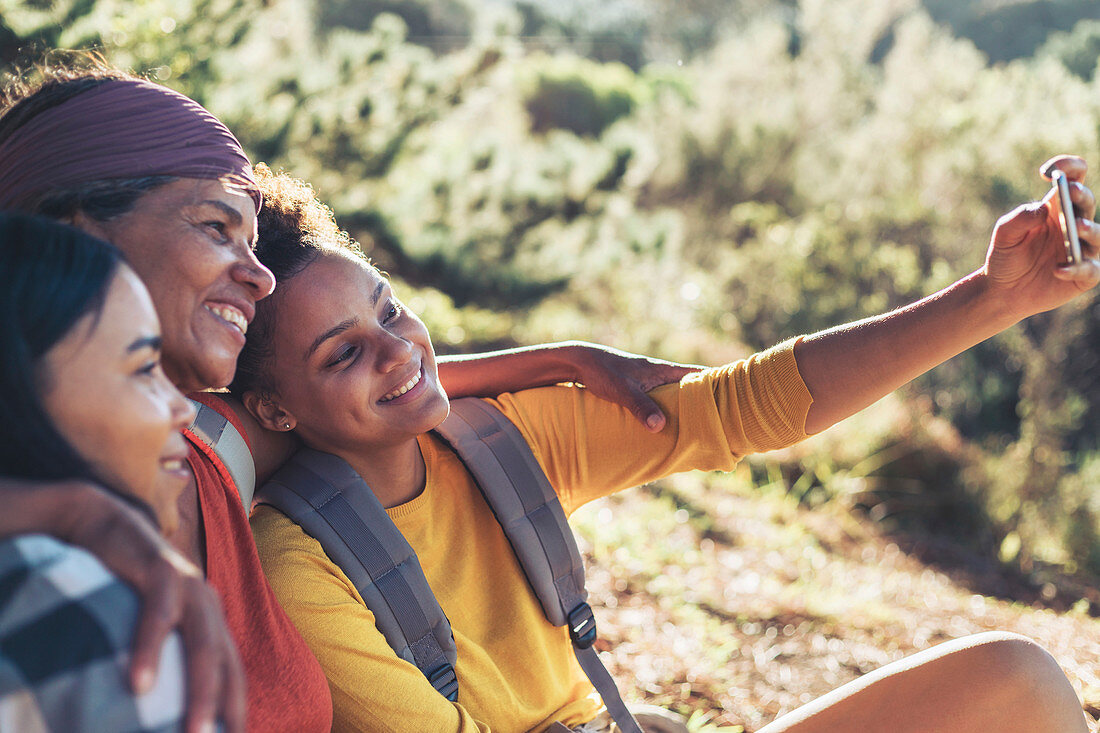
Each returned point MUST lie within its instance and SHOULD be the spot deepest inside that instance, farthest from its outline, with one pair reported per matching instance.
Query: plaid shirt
(65, 630)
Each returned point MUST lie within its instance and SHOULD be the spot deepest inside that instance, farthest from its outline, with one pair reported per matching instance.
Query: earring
(287, 426)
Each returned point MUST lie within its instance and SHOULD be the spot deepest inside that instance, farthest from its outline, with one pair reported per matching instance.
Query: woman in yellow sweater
(334, 356)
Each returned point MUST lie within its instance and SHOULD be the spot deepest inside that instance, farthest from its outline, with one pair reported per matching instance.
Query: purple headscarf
(122, 128)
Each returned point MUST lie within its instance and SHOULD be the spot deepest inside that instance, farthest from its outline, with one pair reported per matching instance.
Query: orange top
(287, 690)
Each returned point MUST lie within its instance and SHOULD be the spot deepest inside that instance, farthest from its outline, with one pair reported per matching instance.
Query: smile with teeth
(230, 315)
(402, 389)
(172, 464)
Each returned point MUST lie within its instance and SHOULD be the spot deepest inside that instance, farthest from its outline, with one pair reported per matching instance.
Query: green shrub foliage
(728, 175)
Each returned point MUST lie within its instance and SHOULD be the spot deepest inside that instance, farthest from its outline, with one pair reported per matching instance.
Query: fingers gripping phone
(1066, 217)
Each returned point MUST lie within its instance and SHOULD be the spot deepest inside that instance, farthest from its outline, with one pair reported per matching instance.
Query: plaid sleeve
(65, 630)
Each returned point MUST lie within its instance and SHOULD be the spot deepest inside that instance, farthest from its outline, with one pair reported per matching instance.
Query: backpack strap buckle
(445, 681)
(582, 626)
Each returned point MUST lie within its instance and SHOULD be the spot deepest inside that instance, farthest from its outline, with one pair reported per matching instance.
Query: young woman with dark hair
(84, 397)
(335, 357)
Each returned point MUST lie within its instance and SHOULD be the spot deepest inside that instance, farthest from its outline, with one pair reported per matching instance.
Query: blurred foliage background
(694, 180)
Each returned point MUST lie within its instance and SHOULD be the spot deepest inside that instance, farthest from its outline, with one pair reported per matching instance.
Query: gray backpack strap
(332, 503)
(214, 429)
(527, 507)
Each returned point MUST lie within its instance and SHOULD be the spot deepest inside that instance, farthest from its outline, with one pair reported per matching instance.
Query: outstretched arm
(849, 367)
(613, 375)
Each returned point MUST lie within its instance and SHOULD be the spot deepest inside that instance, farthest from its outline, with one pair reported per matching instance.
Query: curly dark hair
(295, 228)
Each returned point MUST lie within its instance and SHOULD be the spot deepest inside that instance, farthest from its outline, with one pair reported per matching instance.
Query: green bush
(1079, 49)
(579, 96)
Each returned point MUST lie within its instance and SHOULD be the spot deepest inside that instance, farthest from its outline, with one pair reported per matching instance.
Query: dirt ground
(740, 609)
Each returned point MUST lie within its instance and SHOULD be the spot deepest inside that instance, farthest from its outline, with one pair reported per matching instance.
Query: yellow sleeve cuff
(774, 400)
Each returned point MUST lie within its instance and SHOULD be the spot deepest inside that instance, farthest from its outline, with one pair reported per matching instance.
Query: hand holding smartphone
(1066, 217)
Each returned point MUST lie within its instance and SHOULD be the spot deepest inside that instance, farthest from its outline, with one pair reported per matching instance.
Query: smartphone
(1066, 217)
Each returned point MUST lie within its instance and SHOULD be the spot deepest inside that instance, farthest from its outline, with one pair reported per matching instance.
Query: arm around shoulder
(590, 448)
(616, 376)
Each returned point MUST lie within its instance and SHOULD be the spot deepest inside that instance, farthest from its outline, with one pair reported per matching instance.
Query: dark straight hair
(51, 275)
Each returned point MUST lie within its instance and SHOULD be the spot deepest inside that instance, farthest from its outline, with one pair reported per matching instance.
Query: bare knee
(1014, 659)
(992, 681)
(1022, 678)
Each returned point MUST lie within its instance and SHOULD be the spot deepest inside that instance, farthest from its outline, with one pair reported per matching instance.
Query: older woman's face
(190, 241)
(103, 387)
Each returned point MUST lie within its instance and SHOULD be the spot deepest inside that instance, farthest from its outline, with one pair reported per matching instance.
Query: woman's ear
(267, 412)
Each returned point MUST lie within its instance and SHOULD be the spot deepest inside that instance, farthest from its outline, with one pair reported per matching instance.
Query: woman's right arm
(849, 367)
(173, 592)
(617, 376)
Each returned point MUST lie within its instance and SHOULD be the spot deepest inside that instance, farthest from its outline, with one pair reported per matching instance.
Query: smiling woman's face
(191, 241)
(103, 387)
(353, 368)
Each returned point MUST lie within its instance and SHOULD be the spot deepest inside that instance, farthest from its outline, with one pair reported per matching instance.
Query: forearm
(81, 514)
(852, 366)
(509, 370)
(52, 508)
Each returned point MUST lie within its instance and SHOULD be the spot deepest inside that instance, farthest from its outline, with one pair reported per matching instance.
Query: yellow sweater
(516, 672)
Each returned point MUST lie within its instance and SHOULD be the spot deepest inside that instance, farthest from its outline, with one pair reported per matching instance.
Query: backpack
(334, 505)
